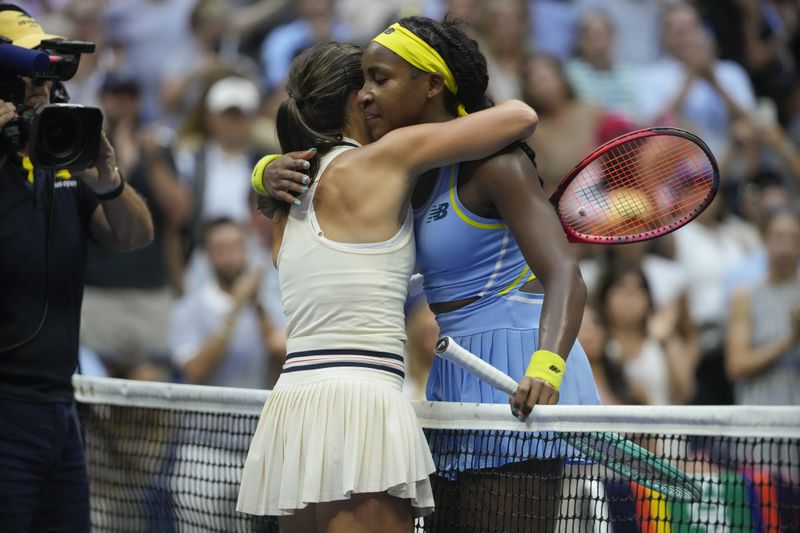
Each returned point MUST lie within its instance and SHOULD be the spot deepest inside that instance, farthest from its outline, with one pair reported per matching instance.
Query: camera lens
(65, 136)
(62, 138)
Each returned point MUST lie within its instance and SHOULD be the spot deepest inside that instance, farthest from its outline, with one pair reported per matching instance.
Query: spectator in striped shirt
(593, 73)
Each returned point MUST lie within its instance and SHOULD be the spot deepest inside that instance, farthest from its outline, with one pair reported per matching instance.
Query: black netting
(171, 470)
(166, 470)
(633, 482)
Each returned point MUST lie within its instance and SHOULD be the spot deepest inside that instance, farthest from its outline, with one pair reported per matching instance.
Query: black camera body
(58, 135)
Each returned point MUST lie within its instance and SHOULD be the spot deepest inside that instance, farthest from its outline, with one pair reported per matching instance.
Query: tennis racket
(638, 186)
(616, 453)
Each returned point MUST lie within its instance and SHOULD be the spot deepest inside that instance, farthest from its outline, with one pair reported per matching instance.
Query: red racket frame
(574, 236)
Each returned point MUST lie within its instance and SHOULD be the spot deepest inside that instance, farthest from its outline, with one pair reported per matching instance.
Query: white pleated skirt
(328, 433)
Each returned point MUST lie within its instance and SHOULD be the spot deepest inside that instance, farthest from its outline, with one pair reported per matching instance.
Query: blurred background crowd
(189, 90)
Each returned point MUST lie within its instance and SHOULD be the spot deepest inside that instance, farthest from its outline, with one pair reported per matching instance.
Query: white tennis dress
(337, 422)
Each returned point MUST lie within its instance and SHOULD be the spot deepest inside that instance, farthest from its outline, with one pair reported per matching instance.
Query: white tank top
(343, 302)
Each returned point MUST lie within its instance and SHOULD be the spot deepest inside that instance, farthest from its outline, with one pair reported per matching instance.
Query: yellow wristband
(257, 179)
(547, 366)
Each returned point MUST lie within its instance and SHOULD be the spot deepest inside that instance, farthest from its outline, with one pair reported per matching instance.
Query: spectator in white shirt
(762, 353)
(221, 334)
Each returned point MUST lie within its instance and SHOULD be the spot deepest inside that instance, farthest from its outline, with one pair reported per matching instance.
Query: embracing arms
(422, 147)
(414, 149)
(363, 195)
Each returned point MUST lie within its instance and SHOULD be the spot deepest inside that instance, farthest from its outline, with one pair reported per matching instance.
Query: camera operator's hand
(105, 176)
(8, 112)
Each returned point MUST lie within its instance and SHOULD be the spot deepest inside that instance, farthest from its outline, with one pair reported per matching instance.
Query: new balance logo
(437, 212)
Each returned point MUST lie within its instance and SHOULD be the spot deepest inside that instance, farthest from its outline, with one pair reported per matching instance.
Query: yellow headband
(420, 54)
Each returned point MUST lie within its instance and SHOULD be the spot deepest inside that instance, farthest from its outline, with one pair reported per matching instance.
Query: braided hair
(465, 60)
(463, 57)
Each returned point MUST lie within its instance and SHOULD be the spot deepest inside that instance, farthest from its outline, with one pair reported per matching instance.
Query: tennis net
(168, 458)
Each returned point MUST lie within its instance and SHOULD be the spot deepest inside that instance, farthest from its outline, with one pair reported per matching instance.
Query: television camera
(58, 135)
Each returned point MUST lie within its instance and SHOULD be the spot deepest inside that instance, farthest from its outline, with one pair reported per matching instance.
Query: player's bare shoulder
(512, 164)
(508, 170)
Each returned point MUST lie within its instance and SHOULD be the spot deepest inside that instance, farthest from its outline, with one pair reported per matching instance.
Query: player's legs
(517, 497)
(447, 495)
(302, 521)
(362, 513)
(536, 485)
(366, 513)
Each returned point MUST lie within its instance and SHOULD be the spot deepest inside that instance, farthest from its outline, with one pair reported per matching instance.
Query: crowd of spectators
(189, 90)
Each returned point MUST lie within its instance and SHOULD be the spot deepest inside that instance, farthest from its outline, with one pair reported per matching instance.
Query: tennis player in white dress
(338, 447)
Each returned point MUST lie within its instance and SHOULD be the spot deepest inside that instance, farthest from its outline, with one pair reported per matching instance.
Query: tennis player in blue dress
(463, 255)
(501, 280)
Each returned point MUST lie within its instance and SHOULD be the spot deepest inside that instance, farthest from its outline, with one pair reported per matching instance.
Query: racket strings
(620, 175)
(626, 155)
(642, 187)
(653, 184)
(621, 161)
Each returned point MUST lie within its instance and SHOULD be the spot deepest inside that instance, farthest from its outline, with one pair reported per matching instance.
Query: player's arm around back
(371, 186)
(416, 149)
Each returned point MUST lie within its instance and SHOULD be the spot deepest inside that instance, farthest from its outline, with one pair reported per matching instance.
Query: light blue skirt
(504, 331)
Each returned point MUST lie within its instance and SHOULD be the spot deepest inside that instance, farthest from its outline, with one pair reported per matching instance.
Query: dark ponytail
(319, 82)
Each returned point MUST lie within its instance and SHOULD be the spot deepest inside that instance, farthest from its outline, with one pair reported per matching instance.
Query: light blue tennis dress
(462, 255)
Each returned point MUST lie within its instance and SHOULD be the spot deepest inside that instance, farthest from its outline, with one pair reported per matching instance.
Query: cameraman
(46, 220)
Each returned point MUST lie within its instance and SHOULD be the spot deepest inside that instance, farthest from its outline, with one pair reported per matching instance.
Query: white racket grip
(449, 349)
(415, 285)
